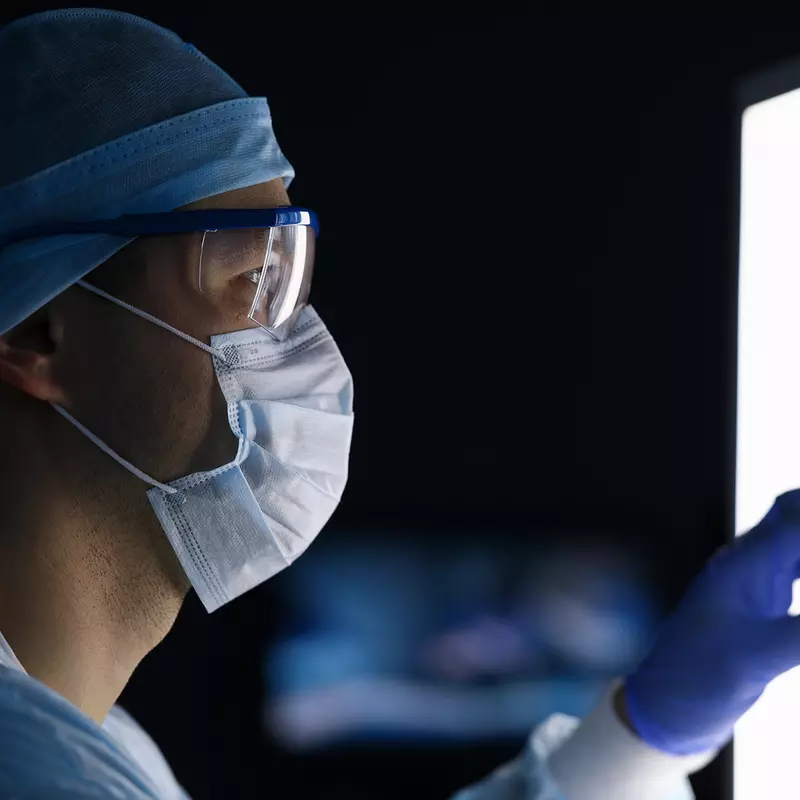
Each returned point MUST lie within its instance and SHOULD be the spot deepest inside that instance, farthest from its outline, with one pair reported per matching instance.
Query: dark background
(526, 257)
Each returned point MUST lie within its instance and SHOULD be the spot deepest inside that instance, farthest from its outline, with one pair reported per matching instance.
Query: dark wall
(525, 256)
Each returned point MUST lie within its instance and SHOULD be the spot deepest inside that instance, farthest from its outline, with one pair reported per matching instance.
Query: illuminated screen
(767, 739)
(396, 639)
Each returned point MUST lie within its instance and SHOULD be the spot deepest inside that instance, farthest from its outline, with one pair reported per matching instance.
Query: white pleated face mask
(290, 404)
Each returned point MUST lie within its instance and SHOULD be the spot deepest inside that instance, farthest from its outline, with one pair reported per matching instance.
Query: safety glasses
(262, 260)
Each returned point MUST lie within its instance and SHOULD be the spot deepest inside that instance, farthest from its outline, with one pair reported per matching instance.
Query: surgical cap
(105, 114)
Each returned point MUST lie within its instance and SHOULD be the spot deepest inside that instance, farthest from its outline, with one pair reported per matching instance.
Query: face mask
(290, 404)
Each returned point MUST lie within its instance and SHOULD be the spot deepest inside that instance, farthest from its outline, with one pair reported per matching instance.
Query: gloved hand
(729, 637)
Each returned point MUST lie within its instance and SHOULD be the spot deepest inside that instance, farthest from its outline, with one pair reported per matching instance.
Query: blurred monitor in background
(397, 639)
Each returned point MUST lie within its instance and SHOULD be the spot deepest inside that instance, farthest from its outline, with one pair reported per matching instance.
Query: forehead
(261, 195)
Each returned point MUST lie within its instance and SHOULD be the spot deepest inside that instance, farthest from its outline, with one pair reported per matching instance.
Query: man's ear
(26, 356)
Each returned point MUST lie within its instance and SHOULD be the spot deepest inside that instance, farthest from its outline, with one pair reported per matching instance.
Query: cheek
(150, 395)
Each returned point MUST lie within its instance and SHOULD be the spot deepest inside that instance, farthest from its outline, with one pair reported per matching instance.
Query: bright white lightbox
(766, 762)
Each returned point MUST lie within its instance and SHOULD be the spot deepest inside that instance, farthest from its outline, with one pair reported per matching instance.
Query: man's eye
(254, 275)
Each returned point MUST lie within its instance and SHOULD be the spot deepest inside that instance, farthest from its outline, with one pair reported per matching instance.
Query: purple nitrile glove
(729, 637)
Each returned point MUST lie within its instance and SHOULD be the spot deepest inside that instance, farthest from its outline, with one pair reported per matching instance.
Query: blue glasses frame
(212, 219)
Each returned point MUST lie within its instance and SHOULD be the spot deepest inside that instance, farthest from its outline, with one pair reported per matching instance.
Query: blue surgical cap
(104, 114)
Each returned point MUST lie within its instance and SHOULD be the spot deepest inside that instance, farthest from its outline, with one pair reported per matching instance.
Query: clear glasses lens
(263, 272)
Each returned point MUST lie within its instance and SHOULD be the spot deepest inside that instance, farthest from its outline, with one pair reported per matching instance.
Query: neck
(87, 589)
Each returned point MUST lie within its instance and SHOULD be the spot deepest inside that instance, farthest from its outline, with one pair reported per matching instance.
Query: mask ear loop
(155, 320)
(105, 448)
(86, 432)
